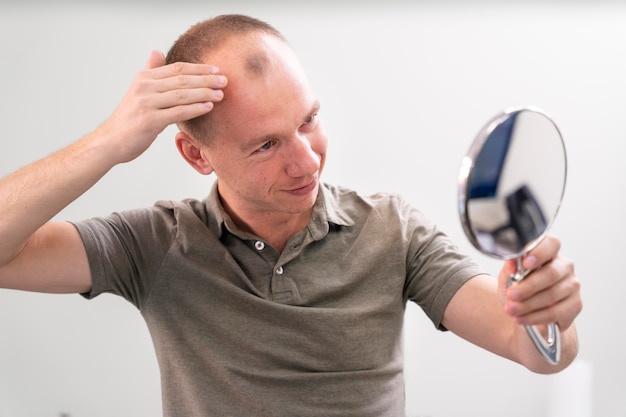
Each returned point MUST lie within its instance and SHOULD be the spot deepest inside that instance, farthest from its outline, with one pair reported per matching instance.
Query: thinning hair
(206, 36)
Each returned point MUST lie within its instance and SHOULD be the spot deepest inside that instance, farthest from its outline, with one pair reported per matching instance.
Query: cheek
(256, 180)
(323, 143)
(321, 137)
(320, 146)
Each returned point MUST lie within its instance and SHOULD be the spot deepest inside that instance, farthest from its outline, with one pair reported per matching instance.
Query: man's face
(268, 147)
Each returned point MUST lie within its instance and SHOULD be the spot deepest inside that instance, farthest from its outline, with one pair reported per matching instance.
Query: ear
(191, 151)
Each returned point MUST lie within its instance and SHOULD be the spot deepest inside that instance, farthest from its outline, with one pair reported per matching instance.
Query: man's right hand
(159, 96)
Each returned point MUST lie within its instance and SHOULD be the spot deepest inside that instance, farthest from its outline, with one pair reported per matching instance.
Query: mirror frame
(467, 166)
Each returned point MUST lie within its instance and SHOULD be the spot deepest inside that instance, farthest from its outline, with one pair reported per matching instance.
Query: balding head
(208, 35)
(231, 42)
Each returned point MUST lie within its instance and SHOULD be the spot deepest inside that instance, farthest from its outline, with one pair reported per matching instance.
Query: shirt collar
(327, 210)
(328, 203)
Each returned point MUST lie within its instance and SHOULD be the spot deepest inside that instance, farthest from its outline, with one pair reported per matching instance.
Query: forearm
(475, 314)
(35, 193)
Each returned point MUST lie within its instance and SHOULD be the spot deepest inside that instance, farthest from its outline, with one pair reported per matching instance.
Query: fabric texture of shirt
(240, 329)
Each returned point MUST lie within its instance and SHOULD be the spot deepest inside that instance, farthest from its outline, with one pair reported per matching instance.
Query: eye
(310, 119)
(266, 146)
(309, 123)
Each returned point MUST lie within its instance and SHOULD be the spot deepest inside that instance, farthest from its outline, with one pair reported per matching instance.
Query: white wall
(404, 89)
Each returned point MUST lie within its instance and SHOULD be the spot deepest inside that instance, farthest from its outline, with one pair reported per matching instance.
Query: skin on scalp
(201, 40)
(252, 62)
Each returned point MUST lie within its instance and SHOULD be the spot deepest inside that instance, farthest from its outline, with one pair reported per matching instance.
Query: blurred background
(405, 87)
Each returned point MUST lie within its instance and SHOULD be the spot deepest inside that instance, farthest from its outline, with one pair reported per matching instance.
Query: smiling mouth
(305, 189)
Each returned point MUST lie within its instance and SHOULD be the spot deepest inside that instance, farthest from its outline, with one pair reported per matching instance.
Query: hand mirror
(511, 184)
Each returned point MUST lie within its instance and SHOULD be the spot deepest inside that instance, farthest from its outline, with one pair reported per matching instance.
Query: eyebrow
(258, 141)
(315, 108)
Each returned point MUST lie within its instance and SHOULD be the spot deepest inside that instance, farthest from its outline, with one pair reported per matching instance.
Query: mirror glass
(511, 182)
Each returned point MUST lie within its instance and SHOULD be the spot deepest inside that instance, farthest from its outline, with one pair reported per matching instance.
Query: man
(279, 295)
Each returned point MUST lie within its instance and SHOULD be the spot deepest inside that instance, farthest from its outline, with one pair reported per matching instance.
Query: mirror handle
(550, 347)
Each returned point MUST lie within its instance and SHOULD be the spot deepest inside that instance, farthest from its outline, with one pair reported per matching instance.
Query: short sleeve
(125, 251)
(436, 268)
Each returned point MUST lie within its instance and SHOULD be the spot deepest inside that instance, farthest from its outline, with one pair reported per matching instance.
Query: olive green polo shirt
(243, 330)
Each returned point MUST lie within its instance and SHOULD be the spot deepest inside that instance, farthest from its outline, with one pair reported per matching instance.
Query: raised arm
(487, 313)
(38, 255)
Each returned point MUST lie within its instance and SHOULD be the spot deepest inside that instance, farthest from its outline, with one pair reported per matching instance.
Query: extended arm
(487, 313)
(37, 255)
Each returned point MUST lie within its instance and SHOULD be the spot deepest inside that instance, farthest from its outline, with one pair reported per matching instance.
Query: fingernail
(530, 262)
(213, 70)
(221, 80)
(511, 309)
(514, 294)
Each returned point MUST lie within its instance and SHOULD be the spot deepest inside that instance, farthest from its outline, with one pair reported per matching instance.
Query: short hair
(206, 36)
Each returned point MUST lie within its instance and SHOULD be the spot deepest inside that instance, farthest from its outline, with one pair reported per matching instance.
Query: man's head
(263, 140)
(206, 37)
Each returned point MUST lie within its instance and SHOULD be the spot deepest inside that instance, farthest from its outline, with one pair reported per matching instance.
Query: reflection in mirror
(515, 177)
(511, 184)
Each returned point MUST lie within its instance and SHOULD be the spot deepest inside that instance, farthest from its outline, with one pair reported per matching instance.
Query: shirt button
(280, 270)
(259, 245)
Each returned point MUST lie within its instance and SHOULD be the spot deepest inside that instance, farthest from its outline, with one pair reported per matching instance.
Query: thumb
(157, 59)
(508, 268)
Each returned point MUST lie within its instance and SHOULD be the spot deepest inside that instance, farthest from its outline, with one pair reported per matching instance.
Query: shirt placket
(282, 287)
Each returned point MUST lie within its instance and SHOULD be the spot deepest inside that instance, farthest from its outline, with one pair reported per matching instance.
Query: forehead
(267, 86)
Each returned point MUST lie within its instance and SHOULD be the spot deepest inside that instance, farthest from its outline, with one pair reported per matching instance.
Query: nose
(302, 158)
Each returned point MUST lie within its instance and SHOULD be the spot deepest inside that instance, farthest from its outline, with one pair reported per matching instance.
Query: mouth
(304, 190)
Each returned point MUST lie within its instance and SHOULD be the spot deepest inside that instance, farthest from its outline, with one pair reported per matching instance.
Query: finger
(508, 269)
(544, 299)
(183, 82)
(185, 112)
(184, 97)
(535, 308)
(547, 249)
(562, 313)
(178, 90)
(183, 68)
(156, 59)
(504, 278)
(542, 279)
